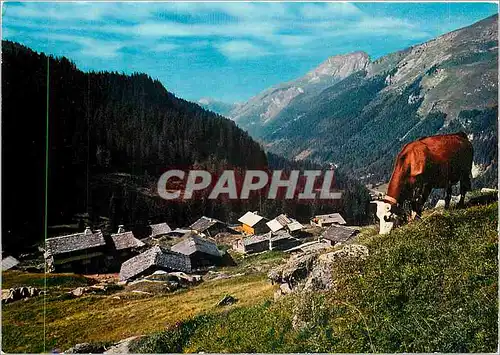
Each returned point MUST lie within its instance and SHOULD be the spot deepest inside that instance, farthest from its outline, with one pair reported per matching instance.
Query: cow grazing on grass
(427, 163)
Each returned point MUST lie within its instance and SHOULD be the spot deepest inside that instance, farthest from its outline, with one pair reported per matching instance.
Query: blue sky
(227, 51)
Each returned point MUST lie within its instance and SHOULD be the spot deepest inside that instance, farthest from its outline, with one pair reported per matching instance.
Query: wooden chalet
(252, 223)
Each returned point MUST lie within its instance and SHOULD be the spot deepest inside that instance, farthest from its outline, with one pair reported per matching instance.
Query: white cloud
(241, 49)
(236, 29)
(329, 10)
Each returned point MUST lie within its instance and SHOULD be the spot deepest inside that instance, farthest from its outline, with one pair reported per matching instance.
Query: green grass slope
(430, 286)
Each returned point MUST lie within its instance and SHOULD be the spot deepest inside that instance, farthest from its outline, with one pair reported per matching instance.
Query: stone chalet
(159, 230)
(208, 226)
(125, 244)
(326, 220)
(280, 240)
(338, 234)
(155, 258)
(284, 222)
(80, 252)
(201, 252)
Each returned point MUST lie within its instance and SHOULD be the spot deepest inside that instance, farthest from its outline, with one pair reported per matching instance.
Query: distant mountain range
(357, 113)
(220, 107)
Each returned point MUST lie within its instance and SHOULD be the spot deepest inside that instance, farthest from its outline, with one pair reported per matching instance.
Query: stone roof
(294, 226)
(284, 221)
(75, 242)
(159, 229)
(203, 224)
(9, 262)
(255, 239)
(331, 218)
(125, 240)
(279, 235)
(339, 234)
(154, 257)
(179, 231)
(193, 244)
(250, 219)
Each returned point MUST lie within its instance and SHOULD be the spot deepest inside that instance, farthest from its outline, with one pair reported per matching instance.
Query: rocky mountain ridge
(356, 113)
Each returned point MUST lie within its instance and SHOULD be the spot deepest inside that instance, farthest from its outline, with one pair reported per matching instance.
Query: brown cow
(427, 163)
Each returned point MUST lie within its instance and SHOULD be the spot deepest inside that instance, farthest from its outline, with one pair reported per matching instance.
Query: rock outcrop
(313, 271)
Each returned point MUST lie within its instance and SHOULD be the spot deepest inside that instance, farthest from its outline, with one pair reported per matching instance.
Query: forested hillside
(367, 110)
(110, 136)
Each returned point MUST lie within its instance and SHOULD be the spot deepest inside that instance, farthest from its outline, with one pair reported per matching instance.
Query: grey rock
(227, 300)
(85, 348)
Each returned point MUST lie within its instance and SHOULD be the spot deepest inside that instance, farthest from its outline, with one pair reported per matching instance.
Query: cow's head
(386, 216)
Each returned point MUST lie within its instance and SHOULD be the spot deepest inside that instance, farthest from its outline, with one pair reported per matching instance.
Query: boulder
(322, 276)
(85, 348)
(77, 292)
(227, 300)
(312, 271)
(296, 269)
(122, 347)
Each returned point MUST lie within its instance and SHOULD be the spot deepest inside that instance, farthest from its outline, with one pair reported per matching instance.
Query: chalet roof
(279, 235)
(154, 257)
(180, 231)
(274, 225)
(193, 244)
(250, 219)
(294, 226)
(283, 220)
(75, 242)
(204, 223)
(159, 229)
(9, 262)
(125, 240)
(255, 239)
(339, 234)
(331, 218)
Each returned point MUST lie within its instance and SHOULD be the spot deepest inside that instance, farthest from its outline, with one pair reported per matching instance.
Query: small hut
(326, 220)
(159, 230)
(80, 252)
(125, 244)
(253, 244)
(153, 259)
(208, 226)
(338, 234)
(284, 222)
(252, 223)
(201, 252)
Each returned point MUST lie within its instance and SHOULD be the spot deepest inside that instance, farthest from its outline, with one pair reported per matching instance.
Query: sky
(229, 51)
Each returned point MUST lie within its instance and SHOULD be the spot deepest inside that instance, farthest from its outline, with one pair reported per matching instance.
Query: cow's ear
(417, 160)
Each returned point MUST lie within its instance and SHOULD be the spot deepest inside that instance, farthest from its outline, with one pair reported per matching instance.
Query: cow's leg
(422, 198)
(447, 198)
(465, 185)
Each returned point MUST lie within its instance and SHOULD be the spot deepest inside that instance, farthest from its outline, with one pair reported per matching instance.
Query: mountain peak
(341, 65)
